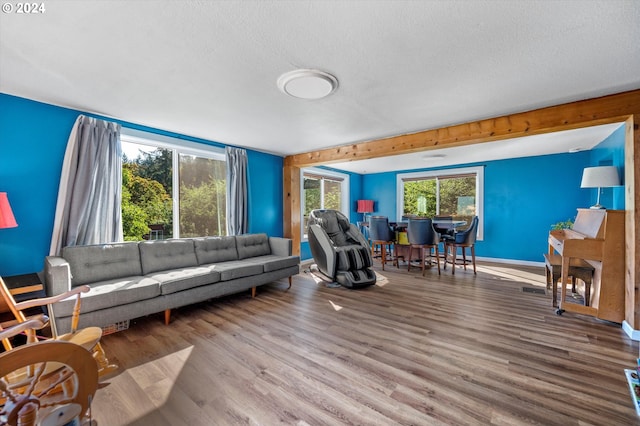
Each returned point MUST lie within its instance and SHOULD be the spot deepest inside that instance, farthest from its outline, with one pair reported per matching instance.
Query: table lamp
(600, 177)
(7, 220)
(364, 207)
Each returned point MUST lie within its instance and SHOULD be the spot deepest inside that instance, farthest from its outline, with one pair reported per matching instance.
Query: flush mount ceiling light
(307, 84)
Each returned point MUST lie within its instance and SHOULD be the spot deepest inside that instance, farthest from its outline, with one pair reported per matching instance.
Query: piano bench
(578, 268)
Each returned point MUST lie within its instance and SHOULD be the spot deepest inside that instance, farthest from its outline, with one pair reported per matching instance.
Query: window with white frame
(171, 188)
(453, 192)
(322, 189)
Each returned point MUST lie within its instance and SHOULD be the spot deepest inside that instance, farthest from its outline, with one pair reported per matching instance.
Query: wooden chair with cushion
(88, 337)
(45, 383)
(424, 238)
(381, 235)
(443, 230)
(464, 240)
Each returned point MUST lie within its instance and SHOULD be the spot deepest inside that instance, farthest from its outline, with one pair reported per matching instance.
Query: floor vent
(534, 290)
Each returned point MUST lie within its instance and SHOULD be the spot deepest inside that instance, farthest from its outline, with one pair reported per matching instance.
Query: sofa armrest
(57, 275)
(280, 246)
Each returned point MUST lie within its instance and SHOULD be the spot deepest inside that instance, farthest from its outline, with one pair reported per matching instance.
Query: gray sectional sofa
(134, 279)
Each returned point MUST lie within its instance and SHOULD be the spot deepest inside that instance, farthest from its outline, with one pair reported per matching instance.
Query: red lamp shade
(6, 215)
(365, 206)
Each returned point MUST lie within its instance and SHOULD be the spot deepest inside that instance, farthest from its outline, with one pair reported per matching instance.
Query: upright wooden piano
(597, 237)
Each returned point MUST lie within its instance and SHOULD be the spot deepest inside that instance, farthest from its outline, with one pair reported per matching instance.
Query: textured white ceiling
(209, 68)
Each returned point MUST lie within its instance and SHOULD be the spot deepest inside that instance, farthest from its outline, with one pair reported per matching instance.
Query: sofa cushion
(235, 269)
(252, 245)
(162, 255)
(271, 262)
(215, 249)
(93, 263)
(176, 280)
(110, 293)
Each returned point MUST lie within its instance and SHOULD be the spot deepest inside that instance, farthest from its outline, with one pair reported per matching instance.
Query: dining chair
(381, 234)
(424, 238)
(443, 230)
(464, 240)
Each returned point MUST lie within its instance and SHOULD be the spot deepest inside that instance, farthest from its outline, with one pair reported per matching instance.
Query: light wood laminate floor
(455, 350)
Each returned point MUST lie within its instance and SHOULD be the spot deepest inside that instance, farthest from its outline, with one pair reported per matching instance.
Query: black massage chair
(340, 251)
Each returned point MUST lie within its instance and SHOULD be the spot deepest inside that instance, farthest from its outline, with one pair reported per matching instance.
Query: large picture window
(171, 190)
(323, 189)
(453, 192)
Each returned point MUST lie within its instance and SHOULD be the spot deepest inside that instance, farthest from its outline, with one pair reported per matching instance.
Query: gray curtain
(89, 209)
(236, 191)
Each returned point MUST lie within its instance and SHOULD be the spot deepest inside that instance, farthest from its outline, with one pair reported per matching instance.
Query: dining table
(402, 241)
(439, 223)
(401, 226)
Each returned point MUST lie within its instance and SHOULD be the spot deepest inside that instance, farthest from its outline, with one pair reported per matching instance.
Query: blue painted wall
(265, 199)
(523, 197)
(609, 152)
(381, 188)
(33, 138)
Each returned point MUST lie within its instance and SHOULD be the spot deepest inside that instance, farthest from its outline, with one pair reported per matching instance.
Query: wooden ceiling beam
(606, 109)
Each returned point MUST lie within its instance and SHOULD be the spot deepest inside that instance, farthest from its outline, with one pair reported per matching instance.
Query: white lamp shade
(600, 177)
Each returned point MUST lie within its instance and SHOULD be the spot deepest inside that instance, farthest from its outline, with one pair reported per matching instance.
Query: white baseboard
(511, 261)
(633, 334)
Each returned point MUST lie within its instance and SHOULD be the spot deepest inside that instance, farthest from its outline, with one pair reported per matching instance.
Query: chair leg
(104, 367)
(384, 254)
(427, 251)
(454, 254)
(438, 259)
(473, 258)
(421, 251)
(445, 248)
(464, 258)
(396, 257)
(547, 274)
(587, 293)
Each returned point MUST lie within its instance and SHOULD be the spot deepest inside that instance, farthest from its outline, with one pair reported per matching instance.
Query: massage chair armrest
(322, 250)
